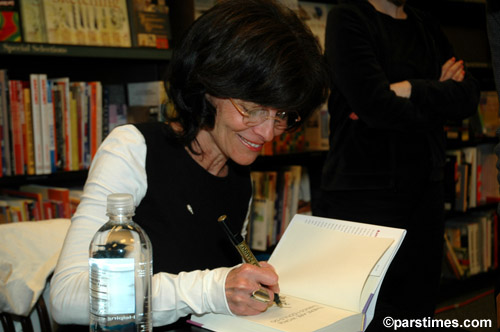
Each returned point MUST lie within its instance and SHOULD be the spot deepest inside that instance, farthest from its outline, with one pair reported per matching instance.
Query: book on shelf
(20, 208)
(29, 152)
(33, 21)
(277, 196)
(56, 199)
(473, 239)
(62, 102)
(79, 96)
(316, 130)
(117, 24)
(470, 157)
(74, 130)
(330, 274)
(145, 100)
(468, 177)
(95, 116)
(102, 23)
(452, 260)
(488, 190)
(37, 208)
(10, 26)
(488, 117)
(47, 124)
(150, 23)
(5, 160)
(59, 22)
(304, 205)
(262, 210)
(16, 125)
(5, 217)
(114, 103)
(36, 111)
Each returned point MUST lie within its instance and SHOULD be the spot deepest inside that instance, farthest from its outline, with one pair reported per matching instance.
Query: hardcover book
(5, 125)
(36, 112)
(149, 23)
(101, 23)
(16, 126)
(330, 274)
(10, 27)
(33, 21)
(59, 22)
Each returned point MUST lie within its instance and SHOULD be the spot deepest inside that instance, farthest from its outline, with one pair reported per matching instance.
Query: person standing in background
(493, 29)
(396, 81)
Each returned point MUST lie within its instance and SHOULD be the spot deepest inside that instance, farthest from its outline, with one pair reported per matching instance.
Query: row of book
(116, 23)
(54, 124)
(471, 244)
(470, 177)
(33, 202)
(278, 196)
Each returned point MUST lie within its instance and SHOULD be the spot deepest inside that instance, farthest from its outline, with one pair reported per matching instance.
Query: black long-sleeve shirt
(394, 137)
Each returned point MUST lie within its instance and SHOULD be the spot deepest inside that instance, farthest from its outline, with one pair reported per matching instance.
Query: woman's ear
(210, 99)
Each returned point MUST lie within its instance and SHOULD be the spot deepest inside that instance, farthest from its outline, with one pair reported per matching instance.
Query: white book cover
(59, 22)
(470, 157)
(36, 107)
(46, 130)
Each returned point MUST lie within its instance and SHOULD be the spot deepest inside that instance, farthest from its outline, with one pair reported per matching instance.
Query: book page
(297, 315)
(316, 260)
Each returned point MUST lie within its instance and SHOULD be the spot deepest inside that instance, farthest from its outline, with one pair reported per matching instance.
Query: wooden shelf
(35, 49)
(58, 179)
(451, 288)
(298, 158)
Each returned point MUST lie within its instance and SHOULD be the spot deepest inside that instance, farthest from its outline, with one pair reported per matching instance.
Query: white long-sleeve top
(173, 295)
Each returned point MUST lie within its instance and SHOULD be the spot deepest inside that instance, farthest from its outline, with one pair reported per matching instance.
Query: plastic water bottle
(120, 271)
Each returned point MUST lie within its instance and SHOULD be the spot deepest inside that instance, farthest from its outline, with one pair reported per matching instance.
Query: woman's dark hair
(253, 50)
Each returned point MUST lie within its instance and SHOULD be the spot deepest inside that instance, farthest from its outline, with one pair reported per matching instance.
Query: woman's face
(235, 139)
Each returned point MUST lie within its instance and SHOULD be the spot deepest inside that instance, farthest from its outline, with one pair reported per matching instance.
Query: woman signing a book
(245, 72)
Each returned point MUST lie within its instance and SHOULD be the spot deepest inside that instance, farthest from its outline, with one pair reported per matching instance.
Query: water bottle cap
(120, 204)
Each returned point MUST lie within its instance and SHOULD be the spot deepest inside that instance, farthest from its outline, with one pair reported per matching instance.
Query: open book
(330, 275)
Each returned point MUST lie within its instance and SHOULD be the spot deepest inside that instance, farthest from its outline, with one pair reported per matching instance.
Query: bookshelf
(59, 179)
(77, 51)
(108, 65)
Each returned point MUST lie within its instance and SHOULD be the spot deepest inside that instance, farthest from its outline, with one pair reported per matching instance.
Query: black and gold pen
(247, 255)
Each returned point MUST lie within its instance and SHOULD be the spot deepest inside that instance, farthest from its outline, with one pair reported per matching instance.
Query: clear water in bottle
(120, 271)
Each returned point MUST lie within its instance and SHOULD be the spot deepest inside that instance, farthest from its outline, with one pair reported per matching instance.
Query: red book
(15, 91)
(37, 197)
(50, 193)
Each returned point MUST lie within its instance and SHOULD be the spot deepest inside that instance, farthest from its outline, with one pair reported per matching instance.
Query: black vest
(182, 204)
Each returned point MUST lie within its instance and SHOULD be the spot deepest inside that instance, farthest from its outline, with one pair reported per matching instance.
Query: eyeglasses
(282, 120)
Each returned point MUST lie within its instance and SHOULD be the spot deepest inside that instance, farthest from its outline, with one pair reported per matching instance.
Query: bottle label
(112, 286)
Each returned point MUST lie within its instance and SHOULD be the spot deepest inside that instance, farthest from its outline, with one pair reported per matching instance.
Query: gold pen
(248, 257)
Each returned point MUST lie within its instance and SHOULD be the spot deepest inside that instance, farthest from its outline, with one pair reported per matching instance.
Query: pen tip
(222, 218)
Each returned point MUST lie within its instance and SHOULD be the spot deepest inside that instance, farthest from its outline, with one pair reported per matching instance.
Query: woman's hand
(242, 281)
(453, 70)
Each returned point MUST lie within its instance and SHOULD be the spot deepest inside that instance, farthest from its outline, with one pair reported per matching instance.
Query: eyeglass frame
(246, 114)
